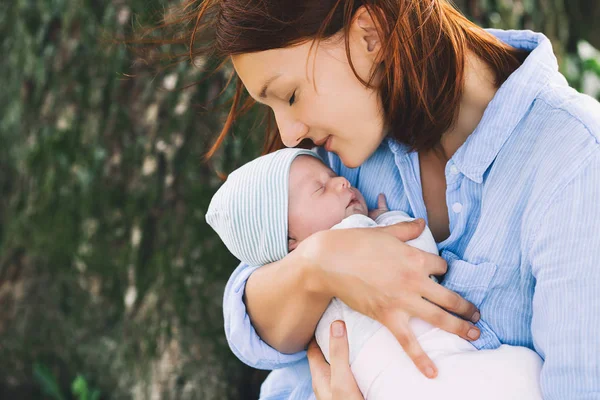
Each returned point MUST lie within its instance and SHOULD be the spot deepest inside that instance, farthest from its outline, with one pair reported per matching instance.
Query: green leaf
(80, 387)
(592, 65)
(47, 381)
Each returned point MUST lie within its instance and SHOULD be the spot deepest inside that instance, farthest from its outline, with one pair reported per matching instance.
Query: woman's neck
(479, 89)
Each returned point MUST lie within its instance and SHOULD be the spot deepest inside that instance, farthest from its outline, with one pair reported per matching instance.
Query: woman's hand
(335, 381)
(377, 274)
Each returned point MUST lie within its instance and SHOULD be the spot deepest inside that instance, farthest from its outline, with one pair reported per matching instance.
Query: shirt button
(454, 169)
(457, 207)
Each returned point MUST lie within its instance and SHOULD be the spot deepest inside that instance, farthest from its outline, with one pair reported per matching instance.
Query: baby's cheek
(320, 220)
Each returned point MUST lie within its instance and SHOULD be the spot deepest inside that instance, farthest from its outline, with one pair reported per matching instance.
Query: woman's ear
(366, 33)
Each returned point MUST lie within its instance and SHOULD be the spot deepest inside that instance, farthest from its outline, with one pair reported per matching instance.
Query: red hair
(424, 44)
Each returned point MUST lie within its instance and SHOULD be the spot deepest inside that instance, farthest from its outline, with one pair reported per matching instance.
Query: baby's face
(319, 199)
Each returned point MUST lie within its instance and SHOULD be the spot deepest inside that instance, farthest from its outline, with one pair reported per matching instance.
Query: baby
(270, 205)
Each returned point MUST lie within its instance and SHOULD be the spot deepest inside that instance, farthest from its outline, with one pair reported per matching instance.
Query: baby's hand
(381, 207)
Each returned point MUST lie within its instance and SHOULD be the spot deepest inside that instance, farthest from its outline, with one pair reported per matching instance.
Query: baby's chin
(357, 208)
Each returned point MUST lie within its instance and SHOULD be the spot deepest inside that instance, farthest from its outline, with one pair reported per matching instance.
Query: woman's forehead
(257, 69)
(262, 64)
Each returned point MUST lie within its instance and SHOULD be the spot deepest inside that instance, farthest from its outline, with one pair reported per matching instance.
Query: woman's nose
(291, 131)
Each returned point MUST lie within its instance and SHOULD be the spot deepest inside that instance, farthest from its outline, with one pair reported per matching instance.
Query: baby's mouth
(353, 200)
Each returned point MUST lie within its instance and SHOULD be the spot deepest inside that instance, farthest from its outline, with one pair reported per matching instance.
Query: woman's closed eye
(292, 99)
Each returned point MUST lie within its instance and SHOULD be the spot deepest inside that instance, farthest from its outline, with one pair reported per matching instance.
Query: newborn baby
(270, 205)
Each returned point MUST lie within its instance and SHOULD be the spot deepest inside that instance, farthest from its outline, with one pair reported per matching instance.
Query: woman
(476, 132)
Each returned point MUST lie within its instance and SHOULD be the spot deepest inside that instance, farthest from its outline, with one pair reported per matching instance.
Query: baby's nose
(342, 183)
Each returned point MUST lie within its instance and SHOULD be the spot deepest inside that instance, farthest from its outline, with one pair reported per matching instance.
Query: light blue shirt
(523, 196)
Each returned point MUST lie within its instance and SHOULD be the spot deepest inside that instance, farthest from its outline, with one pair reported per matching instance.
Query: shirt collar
(509, 105)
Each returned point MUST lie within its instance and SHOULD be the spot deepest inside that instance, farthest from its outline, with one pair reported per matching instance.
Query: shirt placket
(457, 205)
(408, 166)
(411, 183)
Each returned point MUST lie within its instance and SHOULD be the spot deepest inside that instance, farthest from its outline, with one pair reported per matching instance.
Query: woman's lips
(328, 143)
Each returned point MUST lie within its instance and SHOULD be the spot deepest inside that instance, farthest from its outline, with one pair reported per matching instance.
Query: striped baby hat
(250, 210)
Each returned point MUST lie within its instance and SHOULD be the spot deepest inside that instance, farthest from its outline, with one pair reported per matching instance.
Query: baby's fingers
(397, 323)
(381, 202)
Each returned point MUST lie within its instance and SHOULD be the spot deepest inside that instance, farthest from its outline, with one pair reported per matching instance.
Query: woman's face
(315, 94)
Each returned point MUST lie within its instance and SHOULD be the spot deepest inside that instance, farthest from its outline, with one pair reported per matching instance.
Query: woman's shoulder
(558, 139)
(562, 125)
(568, 109)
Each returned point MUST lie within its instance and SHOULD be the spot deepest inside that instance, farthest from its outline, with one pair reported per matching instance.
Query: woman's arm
(565, 259)
(381, 277)
(284, 302)
(239, 331)
(286, 314)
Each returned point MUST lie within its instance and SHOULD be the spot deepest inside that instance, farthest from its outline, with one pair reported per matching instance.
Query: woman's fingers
(431, 264)
(405, 231)
(443, 319)
(450, 301)
(334, 382)
(397, 323)
(343, 384)
(320, 371)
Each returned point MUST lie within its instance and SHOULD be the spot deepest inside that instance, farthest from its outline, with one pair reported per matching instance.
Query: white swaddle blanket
(384, 371)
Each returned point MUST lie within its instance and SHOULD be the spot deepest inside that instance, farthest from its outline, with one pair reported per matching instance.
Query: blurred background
(111, 282)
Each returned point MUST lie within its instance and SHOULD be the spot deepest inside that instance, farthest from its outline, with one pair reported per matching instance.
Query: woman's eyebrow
(263, 92)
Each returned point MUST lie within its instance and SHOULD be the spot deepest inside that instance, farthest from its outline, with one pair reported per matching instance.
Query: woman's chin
(353, 156)
(351, 161)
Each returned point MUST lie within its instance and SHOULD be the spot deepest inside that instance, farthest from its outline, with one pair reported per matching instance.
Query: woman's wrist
(309, 259)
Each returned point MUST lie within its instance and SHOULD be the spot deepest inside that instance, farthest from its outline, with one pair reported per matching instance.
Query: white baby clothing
(360, 328)
(383, 370)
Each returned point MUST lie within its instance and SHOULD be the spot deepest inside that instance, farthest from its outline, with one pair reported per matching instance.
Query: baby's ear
(292, 244)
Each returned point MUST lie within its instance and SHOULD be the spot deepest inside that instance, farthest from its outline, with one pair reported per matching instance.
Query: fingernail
(430, 372)
(337, 329)
(476, 316)
(473, 334)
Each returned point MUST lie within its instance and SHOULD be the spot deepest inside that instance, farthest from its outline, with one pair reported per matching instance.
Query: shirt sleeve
(241, 335)
(565, 261)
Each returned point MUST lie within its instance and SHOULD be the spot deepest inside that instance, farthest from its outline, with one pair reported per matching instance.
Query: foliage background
(110, 280)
